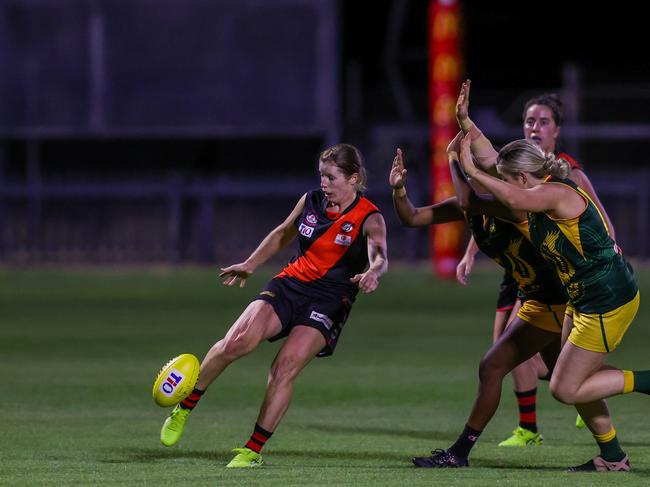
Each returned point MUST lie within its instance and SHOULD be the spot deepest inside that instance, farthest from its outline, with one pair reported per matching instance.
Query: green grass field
(79, 351)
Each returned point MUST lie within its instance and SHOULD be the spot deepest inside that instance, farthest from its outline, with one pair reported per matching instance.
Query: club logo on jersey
(321, 318)
(347, 227)
(311, 218)
(305, 230)
(343, 240)
(171, 382)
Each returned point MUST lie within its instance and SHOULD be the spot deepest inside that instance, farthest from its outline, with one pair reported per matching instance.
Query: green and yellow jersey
(596, 277)
(502, 241)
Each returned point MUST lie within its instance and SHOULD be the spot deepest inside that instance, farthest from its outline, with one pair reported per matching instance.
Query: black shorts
(298, 304)
(507, 293)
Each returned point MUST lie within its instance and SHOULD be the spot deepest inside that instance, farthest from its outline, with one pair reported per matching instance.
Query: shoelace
(246, 453)
(520, 432)
(176, 419)
(443, 457)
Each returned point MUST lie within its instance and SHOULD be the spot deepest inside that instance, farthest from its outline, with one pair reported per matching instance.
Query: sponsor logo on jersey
(347, 227)
(321, 318)
(311, 218)
(343, 240)
(305, 230)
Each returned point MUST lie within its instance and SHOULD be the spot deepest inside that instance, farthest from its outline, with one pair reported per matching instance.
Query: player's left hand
(454, 145)
(397, 176)
(462, 104)
(367, 282)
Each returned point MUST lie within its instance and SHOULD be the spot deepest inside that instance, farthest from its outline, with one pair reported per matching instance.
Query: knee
(490, 369)
(562, 393)
(232, 347)
(283, 371)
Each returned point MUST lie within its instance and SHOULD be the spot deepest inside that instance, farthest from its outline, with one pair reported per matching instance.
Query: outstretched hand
(466, 160)
(397, 177)
(367, 282)
(454, 145)
(462, 104)
(237, 271)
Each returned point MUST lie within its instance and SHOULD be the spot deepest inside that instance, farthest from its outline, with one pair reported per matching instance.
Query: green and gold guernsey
(506, 245)
(597, 278)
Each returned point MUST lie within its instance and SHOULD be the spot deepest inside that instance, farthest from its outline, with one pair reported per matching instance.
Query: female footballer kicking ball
(342, 249)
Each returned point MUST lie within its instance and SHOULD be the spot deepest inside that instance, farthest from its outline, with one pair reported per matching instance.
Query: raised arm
(374, 229)
(410, 216)
(552, 198)
(481, 146)
(472, 197)
(276, 240)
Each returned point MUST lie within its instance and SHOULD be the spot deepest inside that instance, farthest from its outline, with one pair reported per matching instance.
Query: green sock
(611, 450)
(642, 381)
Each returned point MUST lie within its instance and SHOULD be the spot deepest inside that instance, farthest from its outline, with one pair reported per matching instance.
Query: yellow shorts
(545, 316)
(603, 332)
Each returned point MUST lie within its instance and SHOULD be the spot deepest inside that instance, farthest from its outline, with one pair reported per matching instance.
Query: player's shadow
(326, 459)
(152, 455)
(514, 464)
(394, 432)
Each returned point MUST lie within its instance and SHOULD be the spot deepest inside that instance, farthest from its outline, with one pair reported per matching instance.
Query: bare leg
(258, 322)
(580, 376)
(519, 342)
(301, 347)
(502, 319)
(567, 325)
(596, 416)
(525, 375)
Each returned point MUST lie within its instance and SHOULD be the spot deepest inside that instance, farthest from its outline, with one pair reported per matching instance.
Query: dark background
(144, 130)
(509, 48)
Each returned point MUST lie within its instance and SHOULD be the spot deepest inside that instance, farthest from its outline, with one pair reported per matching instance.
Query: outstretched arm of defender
(410, 216)
(481, 146)
(544, 197)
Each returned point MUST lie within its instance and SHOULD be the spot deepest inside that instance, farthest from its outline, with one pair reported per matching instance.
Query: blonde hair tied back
(524, 156)
(556, 167)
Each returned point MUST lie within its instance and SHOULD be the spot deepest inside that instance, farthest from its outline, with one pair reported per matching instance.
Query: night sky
(513, 46)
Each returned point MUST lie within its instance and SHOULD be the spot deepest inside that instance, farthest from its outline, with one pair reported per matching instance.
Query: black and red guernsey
(572, 162)
(332, 248)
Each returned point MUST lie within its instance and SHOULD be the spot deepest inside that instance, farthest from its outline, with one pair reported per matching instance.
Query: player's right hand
(240, 271)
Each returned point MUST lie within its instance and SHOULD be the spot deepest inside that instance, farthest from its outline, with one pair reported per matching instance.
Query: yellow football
(176, 380)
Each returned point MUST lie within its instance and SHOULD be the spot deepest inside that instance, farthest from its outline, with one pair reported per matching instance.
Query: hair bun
(549, 161)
